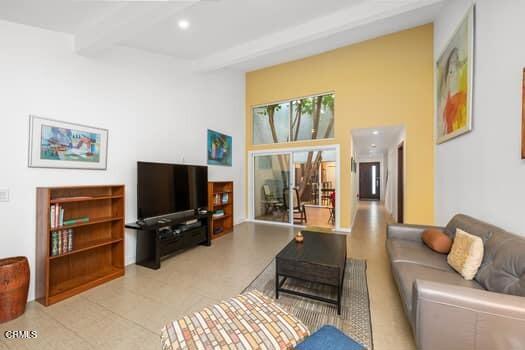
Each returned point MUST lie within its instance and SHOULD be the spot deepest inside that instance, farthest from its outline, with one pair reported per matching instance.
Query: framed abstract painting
(57, 144)
(219, 149)
(454, 82)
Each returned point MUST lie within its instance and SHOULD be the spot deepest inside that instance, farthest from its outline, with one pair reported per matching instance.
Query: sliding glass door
(271, 181)
(295, 187)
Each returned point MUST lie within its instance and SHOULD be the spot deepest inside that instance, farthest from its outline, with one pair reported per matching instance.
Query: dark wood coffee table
(320, 258)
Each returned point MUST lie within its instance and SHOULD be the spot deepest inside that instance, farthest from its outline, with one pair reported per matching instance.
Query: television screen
(169, 188)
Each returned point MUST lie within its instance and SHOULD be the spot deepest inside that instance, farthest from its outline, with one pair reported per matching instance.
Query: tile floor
(128, 313)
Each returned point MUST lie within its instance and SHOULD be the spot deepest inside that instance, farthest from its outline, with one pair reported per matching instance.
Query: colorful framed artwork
(523, 116)
(454, 82)
(219, 149)
(58, 144)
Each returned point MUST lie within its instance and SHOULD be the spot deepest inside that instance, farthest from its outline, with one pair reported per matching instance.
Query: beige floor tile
(390, 327)
(102, 328)
(51, 334)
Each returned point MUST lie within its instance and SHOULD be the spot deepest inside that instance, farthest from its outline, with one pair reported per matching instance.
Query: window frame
(290, 120)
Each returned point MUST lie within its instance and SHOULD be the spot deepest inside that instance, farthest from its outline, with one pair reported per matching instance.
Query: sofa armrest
(407, 232)
(451, 317)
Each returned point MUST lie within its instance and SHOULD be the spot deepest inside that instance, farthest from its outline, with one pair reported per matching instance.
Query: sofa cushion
(466, 254)
(504, 270)
(507, 274)
(416, 252)
(437, 240)
(406, 274)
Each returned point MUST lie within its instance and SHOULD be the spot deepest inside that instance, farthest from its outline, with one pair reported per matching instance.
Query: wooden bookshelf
(97, 255)
(224, 224)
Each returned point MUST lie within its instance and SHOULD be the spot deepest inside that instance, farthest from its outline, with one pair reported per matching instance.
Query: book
(52, 216)
(70, 240)
(59, 244)
(64, 241)
(54, 243)
(73, 221)
(57, 215)
(61, 216)
(218, 213)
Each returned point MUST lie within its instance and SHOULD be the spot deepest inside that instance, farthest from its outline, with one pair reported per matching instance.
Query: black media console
(156, 239)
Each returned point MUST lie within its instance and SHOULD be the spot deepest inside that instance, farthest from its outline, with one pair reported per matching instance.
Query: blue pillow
(329, 338)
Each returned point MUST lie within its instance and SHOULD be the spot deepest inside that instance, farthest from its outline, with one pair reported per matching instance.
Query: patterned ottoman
(248, 321)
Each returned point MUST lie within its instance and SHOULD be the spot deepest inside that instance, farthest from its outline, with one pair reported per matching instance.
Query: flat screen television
(165, 189)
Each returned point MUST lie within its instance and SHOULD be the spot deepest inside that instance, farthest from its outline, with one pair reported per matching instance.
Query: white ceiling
(223, 24)
(387, 137)
(241, 34)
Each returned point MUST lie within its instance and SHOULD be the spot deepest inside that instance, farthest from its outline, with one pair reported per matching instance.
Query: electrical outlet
(4, 195)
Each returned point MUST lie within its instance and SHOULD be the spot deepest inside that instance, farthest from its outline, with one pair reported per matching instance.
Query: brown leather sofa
(446, 311)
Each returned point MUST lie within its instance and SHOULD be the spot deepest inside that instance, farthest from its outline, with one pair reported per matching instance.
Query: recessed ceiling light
(375, 132)
(184, 24)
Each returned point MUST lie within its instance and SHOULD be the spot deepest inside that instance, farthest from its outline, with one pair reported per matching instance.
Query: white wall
(154, 108)
(392, 166)
(481, 173)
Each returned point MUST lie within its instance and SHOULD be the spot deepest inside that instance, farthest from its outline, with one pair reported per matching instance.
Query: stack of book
(56, 216)
(221, 198)
(61, 242)
(218, 213)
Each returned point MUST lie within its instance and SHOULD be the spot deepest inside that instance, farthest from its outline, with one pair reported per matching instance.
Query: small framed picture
(58, 144)
(219, 149)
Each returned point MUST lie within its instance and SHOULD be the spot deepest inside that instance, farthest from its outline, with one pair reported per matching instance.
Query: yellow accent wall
(380, 82)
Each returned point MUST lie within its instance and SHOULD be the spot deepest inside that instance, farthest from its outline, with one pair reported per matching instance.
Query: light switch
(4, 194)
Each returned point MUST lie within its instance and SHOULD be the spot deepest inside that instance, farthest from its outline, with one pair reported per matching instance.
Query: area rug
(354, 320)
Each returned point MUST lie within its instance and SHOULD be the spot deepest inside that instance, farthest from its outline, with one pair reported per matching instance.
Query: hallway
(390, 327)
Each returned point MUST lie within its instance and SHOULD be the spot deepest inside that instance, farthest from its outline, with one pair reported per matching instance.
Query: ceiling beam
(122, 21)
(343, 21)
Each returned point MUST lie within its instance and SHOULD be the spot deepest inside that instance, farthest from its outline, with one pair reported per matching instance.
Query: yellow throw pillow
(466, 254)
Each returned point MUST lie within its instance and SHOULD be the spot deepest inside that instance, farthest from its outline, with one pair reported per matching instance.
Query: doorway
(370, 181)
(400, 183)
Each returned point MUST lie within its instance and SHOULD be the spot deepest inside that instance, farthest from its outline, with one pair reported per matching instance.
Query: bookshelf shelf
(221, 205)
(80, 283)
(82, 199)
(221, 217)
(97, 253)
(221, 225)
(91, 245)
(90, 222)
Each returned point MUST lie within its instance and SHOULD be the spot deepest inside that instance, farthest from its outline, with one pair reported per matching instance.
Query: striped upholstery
(248, 321)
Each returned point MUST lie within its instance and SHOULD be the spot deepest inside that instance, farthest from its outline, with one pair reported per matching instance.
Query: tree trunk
(316, 115)
(297, 120)
(282, 164)
(309, 167)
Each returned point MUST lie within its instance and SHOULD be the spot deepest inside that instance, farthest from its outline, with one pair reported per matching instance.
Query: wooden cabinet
(220, 199)
(96, 254)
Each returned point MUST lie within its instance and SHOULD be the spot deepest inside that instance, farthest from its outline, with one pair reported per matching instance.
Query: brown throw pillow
(437, 240)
